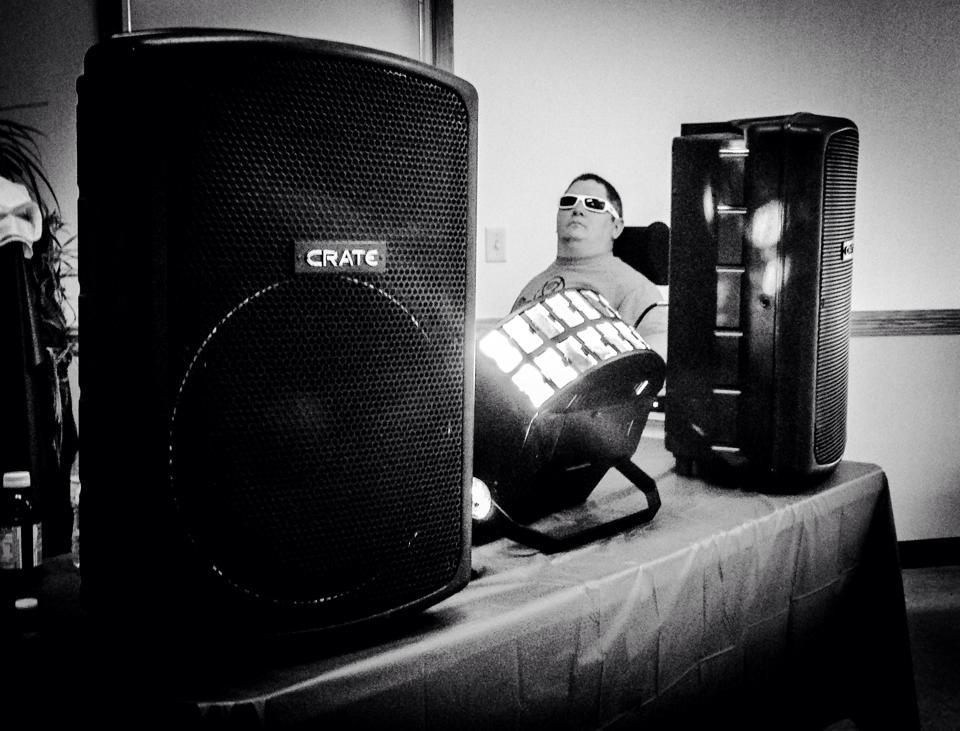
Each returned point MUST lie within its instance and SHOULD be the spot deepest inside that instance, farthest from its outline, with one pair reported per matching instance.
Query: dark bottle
(21, 537)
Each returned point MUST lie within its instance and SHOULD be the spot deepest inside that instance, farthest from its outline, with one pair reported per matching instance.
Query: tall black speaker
(760, 276)
(277, 299)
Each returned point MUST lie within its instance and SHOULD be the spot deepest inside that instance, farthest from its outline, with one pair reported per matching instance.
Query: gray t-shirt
(629, 292)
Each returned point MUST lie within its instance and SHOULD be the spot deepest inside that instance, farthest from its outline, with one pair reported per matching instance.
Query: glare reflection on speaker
(563, 391)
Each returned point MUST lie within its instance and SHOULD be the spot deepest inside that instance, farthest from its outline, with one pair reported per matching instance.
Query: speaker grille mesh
(317, 440)
(833, 334)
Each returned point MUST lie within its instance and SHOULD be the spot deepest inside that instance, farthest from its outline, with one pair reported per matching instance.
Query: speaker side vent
(836, 267)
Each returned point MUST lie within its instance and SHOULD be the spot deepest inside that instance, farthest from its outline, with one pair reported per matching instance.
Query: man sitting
(589, 219)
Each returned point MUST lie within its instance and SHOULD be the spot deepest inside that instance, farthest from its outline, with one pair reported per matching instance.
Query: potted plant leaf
(38, 341)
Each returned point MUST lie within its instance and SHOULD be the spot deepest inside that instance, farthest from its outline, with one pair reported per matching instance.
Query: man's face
(582, 233)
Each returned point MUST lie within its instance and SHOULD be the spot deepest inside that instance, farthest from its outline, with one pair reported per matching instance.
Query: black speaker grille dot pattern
(836, 289)
(316, 444)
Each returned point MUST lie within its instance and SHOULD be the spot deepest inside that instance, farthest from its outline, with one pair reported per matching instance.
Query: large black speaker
(277, 298)
(760, 276)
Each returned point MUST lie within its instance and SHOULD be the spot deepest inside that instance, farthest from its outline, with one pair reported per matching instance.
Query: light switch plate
(495, 240)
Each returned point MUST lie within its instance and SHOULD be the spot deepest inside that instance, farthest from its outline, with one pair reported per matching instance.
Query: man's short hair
(612, 193)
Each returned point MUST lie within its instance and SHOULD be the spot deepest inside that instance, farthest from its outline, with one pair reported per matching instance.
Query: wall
(42, 43)
(904, 414)
(389, 25)
(604, 85)
(569, 85)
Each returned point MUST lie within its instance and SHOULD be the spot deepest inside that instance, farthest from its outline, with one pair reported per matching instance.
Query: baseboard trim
(871, 323)
(929, 552)
(866, 323)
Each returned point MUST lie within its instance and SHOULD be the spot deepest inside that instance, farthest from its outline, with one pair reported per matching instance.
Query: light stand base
(582, 524)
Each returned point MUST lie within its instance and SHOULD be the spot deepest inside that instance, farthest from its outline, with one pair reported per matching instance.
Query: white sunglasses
(591, 203)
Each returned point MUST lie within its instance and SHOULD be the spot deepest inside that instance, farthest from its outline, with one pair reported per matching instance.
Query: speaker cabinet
(278, 303)
(760, 275)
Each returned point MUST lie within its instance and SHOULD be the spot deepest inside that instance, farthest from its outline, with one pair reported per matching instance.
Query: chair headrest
(646, 249)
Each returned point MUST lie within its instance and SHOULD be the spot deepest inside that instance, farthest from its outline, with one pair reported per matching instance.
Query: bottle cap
(16, 479)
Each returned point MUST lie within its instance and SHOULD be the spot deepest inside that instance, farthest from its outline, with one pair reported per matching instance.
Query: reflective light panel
(563, 391)
(548, 345)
